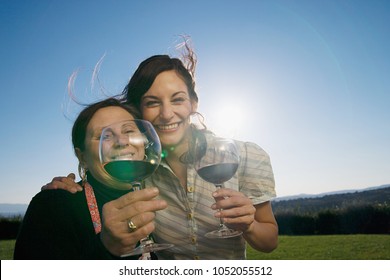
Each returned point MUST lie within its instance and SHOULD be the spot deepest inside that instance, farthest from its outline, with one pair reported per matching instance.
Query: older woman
(60, 225)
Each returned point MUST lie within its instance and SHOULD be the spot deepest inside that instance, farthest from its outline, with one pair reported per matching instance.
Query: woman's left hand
(237, 210)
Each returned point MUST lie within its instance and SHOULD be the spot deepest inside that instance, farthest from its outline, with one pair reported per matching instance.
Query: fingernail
(214, 206)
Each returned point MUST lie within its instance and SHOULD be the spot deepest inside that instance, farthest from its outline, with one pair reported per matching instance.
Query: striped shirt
(189, 216)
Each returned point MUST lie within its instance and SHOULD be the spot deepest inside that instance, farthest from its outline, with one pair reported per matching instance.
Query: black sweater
(58, 225)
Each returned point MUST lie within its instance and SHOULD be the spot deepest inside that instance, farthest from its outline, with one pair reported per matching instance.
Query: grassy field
(326, 247)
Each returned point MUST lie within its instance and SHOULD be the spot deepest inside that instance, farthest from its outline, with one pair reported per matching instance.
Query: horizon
(305, 80)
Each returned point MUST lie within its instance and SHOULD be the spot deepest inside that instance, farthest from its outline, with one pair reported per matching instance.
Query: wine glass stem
(136, 186)
(221, 223)
(146, 240)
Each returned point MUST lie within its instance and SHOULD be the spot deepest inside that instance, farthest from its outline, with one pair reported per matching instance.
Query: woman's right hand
(66, 183)
(140, 207)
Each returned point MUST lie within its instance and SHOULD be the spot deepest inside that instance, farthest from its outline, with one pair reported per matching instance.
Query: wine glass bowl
(129, 152)
(216, 161)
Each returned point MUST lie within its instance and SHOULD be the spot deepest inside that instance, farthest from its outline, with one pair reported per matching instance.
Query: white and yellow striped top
(189, 216)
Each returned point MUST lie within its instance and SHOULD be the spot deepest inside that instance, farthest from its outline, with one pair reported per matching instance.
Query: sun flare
(227, 120)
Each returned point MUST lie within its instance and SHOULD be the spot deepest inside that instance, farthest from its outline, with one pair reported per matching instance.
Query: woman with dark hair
(163, 89)
(60, 225)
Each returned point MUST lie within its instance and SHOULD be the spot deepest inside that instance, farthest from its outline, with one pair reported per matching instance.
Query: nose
(122, 140)
(166, 112)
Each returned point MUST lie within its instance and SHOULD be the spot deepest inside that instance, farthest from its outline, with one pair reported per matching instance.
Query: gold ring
(131, 225)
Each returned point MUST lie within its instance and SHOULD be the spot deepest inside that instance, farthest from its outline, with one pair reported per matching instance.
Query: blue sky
(306, 80)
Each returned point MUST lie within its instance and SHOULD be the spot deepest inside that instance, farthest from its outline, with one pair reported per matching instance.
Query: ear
(80, 156)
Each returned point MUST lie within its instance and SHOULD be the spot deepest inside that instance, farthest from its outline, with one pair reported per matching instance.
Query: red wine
(218, 173)
(130, 170)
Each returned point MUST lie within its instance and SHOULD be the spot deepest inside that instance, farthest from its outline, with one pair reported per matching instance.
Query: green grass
(328, 247)
(6, 249)
(325, 247)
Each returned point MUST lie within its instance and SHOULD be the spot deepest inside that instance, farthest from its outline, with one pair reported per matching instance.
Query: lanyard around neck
(93, 208)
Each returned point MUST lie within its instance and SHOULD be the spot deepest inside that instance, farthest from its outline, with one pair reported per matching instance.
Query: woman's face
(89, 158)
(167, 105)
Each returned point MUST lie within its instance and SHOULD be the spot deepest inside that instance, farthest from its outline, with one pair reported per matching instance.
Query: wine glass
(130, 151)
(216, 161)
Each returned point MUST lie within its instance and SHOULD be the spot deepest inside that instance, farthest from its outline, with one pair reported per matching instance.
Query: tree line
(363, 212)
(356, 220)
(9, 227)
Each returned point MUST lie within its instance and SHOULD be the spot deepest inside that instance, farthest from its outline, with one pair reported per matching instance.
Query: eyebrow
(155, 97)
(97, 131)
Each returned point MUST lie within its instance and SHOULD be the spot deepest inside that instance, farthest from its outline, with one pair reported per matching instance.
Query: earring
(82, 174)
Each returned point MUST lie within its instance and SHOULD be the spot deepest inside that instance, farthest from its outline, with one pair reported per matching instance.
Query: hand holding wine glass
(130, 151)
(216, 162)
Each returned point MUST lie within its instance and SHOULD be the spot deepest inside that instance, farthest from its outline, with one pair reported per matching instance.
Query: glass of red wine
(216, 162)
(130, 151)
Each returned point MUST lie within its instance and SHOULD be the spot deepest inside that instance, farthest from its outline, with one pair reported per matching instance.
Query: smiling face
(122, 141)
(89, 156)
(167, 105)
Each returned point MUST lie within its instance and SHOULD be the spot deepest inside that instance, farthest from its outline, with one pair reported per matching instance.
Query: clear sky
(309, 81)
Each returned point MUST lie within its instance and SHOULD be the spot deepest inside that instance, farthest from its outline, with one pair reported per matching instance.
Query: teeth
(123, 157)
(167, 127)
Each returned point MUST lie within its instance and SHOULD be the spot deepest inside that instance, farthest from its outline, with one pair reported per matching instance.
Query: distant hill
(332, 201)
(10, 210)
(298, 196)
